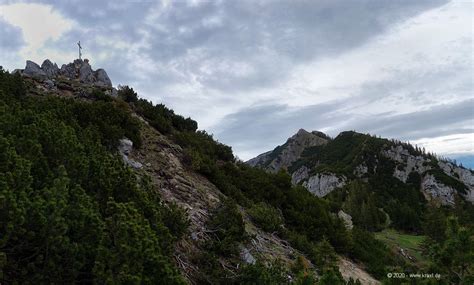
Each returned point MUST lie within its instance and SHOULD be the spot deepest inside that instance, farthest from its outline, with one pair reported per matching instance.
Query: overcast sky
(254, 72)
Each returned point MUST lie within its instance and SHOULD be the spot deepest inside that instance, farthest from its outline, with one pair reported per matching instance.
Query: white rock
(461, 174)
(247, 256)
(322, 184)
(299, 175)
(125, 148)
(361, 170)
(437, 190)
(413, 163)
(346, 218)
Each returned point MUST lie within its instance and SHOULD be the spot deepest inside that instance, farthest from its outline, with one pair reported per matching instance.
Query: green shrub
(176, 220)
(373, 253)
(259, 273)
(228, 229)
(266, 217)
(127, 94)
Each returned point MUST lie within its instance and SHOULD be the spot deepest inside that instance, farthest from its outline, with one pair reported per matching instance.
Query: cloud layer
(254, 72)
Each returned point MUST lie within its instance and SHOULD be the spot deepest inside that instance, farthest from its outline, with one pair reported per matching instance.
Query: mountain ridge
(283, 156)
(407, 157)
(132, 192)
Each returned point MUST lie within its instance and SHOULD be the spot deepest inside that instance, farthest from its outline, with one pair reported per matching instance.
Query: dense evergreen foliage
(71, 211)
(159, 116)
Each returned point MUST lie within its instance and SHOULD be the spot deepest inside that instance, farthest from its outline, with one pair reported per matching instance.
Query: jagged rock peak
(301, 132)
(34, 70)
(77, 70)
(51, 69)
(283, 156)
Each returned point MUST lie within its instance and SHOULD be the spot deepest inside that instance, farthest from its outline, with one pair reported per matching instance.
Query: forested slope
(74, 211)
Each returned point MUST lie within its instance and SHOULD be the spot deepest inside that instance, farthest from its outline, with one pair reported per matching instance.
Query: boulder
(346, 218)
(125, 148)
(102, 79)
(49, 84)
(247, 256)
(34, 70)
(68, 70)
(51, 69)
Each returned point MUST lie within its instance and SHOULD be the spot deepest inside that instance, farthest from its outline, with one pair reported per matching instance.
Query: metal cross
(80, 53)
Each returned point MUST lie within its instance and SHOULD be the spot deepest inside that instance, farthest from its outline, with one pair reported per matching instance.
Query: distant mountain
(283, 156)
(322, 164)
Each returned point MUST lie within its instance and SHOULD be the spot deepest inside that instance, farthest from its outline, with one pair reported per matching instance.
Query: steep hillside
(100, 186)
(379, 184)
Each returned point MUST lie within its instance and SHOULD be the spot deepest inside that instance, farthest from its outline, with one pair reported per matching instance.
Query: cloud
(38, 24)
(10, 42)
(454, 145)
(254, 72)
(402, 84)
(268, 126)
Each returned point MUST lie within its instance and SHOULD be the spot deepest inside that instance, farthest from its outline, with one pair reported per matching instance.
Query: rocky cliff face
(466, 176)
(322, 184)
(435, 190)
(283, 156)
(431, 186)
(78, 70)
(409, 162)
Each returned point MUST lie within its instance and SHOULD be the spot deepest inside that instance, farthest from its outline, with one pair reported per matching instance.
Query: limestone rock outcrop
(411, 163)
(322, 184)
(438, 191)
(346, 218)
(408, 163)
(51, 69)
(102, 77)
(77, 70)
(299, 175)
(466, 176)
(33, 70)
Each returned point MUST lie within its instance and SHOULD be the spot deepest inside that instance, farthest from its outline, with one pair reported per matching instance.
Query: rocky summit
(79, 70)
(283, 156)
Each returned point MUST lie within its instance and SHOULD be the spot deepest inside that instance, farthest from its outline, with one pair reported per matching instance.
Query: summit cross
(80, 48)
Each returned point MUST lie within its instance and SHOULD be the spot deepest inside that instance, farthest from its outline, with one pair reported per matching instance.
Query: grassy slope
(410, 243)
